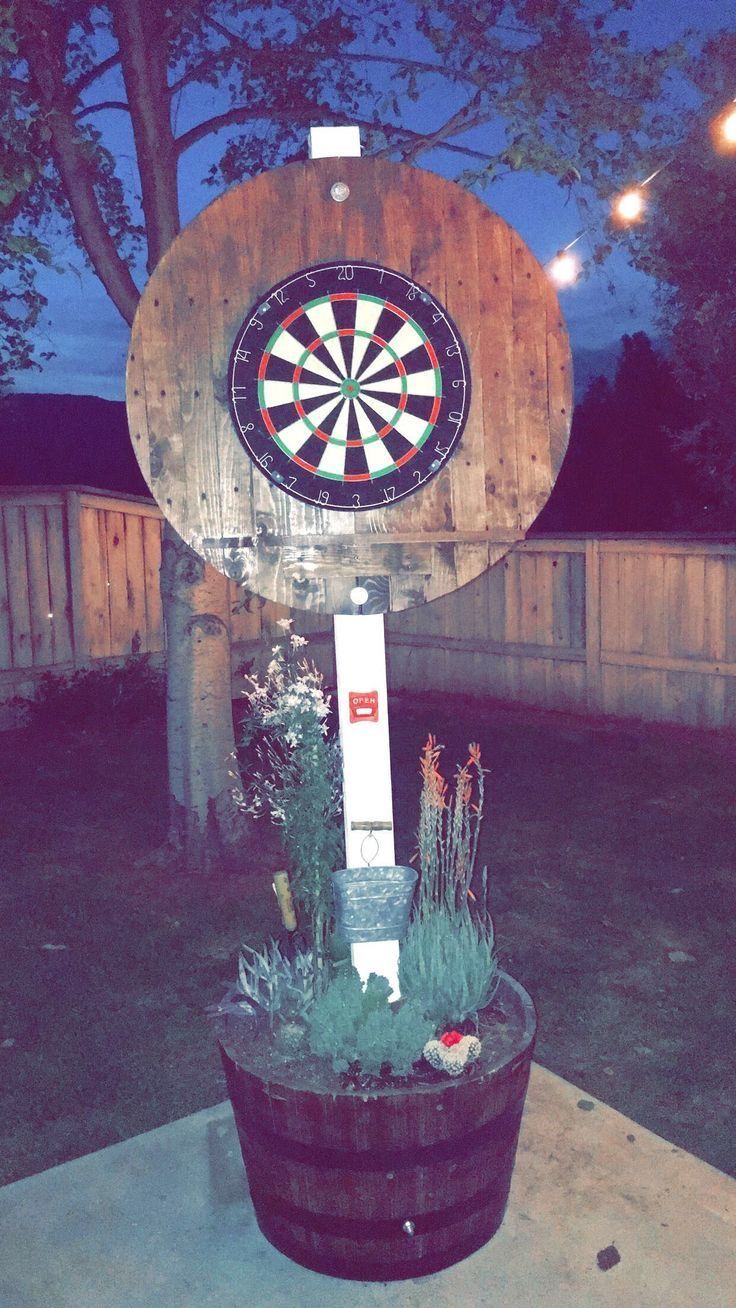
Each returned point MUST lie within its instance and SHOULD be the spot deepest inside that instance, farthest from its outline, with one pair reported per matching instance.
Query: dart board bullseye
(349, 385)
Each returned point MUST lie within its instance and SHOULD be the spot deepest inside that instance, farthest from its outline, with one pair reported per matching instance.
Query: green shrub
(351, 1025)
(447, 965)
(102, 695)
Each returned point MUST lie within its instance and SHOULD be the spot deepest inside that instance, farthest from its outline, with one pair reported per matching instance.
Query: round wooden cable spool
(493, 289)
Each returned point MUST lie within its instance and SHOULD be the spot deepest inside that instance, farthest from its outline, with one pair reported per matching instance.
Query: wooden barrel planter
(384, 1184)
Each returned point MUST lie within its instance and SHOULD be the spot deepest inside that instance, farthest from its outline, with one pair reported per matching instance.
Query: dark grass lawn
(611, 849)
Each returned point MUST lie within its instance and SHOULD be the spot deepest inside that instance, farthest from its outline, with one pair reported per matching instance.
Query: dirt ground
(611, 851)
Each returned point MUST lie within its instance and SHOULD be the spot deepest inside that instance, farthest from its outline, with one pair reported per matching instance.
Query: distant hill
(83, 440)
(56, 440)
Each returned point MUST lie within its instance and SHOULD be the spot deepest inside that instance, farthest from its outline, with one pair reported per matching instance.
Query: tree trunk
(206, 829)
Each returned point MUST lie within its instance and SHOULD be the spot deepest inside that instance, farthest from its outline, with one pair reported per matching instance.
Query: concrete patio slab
(164, 1221)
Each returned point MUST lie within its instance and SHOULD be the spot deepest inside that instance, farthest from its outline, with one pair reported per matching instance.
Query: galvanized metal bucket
(373, 903)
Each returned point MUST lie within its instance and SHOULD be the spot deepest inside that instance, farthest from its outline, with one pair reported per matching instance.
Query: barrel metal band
(352, 1266)
(506, 1126)
(375, 1228)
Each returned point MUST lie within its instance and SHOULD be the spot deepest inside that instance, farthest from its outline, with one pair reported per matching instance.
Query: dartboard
(349, 385)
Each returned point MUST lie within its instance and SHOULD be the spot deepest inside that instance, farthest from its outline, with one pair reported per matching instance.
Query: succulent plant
(282, 988)
(351, 1025)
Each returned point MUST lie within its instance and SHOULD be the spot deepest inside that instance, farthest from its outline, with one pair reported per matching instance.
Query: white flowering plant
(295, 777)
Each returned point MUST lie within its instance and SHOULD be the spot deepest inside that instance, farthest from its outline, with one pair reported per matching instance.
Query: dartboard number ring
(349, 386)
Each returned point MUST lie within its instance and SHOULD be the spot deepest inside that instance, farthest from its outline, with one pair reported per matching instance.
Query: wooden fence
(640, 627)
(634, 627)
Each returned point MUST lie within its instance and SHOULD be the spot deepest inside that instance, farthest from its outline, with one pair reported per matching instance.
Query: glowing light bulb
(564, 269)
(723, 130)
(728, 128)
(629, 206)
(359, 595)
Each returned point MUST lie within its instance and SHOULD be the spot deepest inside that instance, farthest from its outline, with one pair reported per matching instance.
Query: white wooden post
(362, 700)
(334, 142)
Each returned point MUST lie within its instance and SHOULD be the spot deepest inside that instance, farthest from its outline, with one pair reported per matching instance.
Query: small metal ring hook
(370, 836)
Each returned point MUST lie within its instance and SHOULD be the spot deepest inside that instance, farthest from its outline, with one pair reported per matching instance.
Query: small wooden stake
(282, 891)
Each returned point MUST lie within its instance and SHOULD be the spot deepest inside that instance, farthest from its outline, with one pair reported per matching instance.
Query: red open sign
(363, 705)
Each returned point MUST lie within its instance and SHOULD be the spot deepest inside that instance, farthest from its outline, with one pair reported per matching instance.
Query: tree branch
(308, 114)
(44, 56)
(461, 121)
(92, 74)
(243, 114)
(235, 42)
(97, 108)
(142, 41)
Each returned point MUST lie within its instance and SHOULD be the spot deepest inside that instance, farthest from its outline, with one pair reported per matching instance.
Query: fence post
(593, 670)
(80, 636)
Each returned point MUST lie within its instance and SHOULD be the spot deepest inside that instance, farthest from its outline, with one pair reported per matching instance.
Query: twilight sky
(90, 339)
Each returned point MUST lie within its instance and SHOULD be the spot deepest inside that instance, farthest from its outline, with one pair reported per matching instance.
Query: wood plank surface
(135, 586)
(155, 638)
(19, 609)
(96, 603)
(6, 648)
(730, 643)
(534, 470)
(528, 599)
(544, 592)
(117, 583)
(562, 601)
(59, 604)
(129, 504)
(74, 553)
(559, 381)
(715, 617)
(39, 596)
(692, 631)
(595, 693)
(512, 596)
(577, 598)
(610, 600)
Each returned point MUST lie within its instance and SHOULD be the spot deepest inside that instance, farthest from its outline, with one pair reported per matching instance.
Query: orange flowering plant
(447, 960)
(448, 832)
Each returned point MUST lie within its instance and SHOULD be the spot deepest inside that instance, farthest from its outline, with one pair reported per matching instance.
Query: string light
(630, 205)
(564, 269)
(723, 130)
